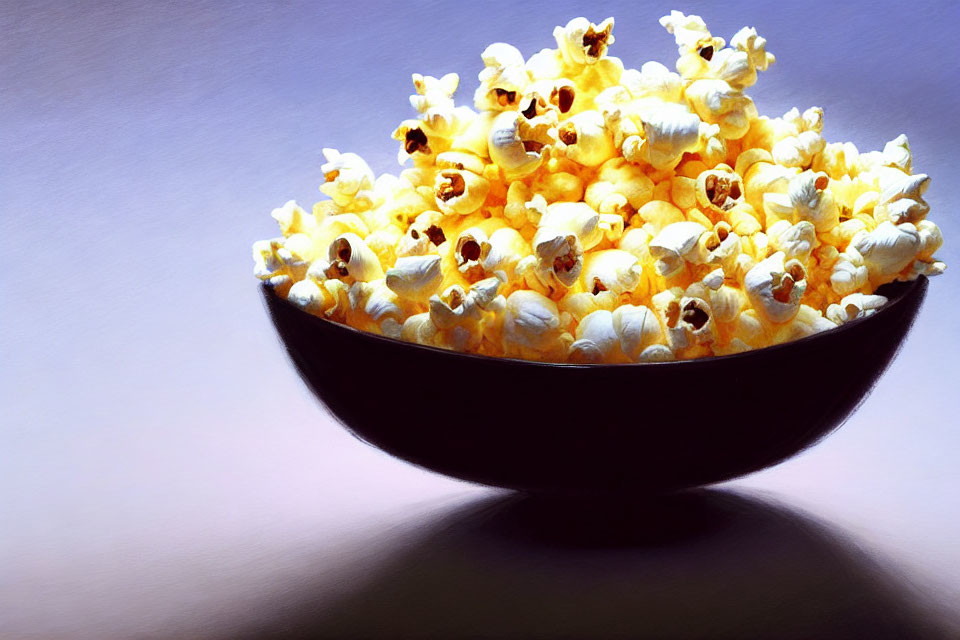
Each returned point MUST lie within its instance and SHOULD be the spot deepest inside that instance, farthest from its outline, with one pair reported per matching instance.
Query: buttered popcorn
(585, 212)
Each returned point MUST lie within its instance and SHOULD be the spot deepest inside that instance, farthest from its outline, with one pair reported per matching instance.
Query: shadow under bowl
(562, 428)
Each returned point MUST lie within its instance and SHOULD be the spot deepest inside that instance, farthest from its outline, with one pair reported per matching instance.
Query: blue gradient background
(163, 471)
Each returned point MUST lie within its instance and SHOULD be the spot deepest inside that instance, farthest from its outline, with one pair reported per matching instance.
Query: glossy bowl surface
(564, 428)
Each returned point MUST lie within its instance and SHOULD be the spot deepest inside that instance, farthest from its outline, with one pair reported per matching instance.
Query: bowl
(644, 428)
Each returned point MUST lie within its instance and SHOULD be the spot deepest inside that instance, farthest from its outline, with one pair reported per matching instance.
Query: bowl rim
(911, 285)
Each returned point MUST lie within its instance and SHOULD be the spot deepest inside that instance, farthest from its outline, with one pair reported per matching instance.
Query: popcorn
(611, 270)
(585, 140)
(675, 246)
(460, 192)
(415, 277)
(597, 340)
(775, 287)
(807, 198)
(348, 180)
(581, 42)
(585, 212)
(517, 156)
(888, 250)
(350, 259)
(637, 329)
(503, 79)
(532, 328)
(853, 306)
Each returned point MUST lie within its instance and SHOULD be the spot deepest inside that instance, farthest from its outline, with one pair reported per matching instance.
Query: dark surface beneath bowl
(641, 428)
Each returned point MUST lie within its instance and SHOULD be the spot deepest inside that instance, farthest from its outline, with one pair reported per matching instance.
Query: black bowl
(640, 428)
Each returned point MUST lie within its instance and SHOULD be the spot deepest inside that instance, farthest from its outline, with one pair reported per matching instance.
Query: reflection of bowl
(594, 428)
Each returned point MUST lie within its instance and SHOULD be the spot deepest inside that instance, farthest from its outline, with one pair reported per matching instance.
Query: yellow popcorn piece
(583, 211)
(459, 192)
(348, 180)
(503, 79)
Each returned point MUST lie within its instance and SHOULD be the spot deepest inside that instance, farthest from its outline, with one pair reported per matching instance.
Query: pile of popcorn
(585, 212)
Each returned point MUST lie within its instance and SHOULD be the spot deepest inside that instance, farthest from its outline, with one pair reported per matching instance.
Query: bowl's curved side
(642, 428)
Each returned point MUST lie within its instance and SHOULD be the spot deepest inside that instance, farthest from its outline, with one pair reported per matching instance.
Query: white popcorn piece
(798, 150)
(931, 239)
(415, 277)
(434, 93)
(611, 270)
(266, 262)
(726, 302)
(796, 241)
(774, 287)
(763, 178)
(673, 247)
(532, 327)
(516, 156)
(503, 79)
(718, 191)
(888, 249)
(896, 153)
(581, 42)
(903, 200)
(714, 279)
(546, 64)
(638, 329)
(719, 246)
(351, 259)
(468, 253)
(419, 329)
(738, 65)
(620, 187)
(423, 236)
(637, 241)
(716, 102)
(804, 141)
(460, 315)
(807, 322)
(578, 218)
(656, 353)
(653, 80)
(460, 192)
(502, 252)
(548, 98)
(376, 308)
(853, 306)
(693, 40)
(597, 340)
(669, 131)
(307, 295)
(807, 198)
(849, 272)
(687, 322)
(293, 219)
(557, 260)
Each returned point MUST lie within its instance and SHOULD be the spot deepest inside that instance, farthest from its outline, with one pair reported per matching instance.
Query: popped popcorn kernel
(584, 211)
